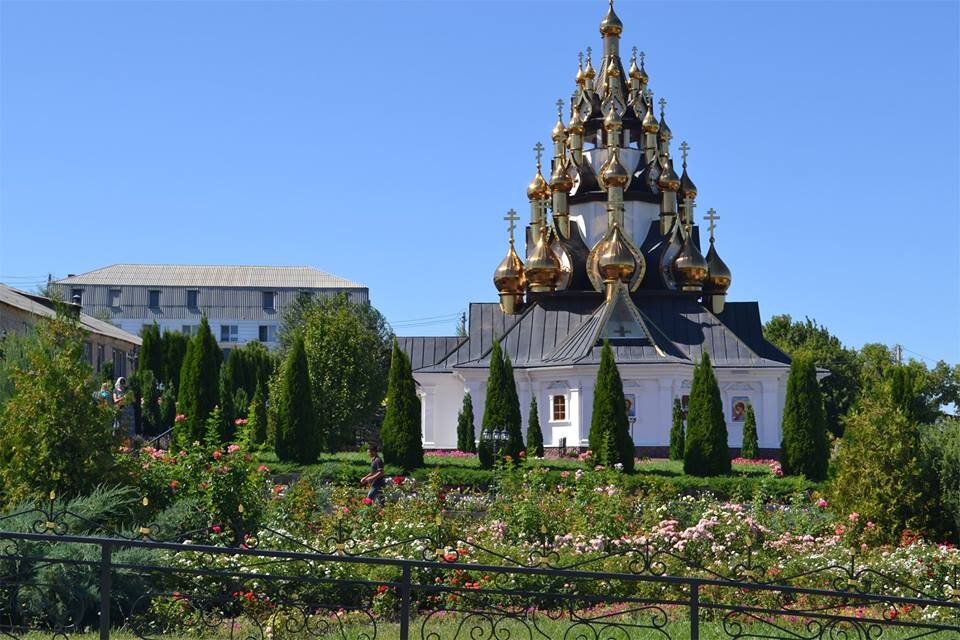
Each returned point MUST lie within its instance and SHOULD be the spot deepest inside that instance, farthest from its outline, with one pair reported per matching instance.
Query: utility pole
(898, 354)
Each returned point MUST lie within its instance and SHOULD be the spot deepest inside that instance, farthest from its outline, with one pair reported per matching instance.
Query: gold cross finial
(643, 56)
(580, 59)
(712, 217)
(511, 218)
(560, 107)
(538, 148)
(663, 105)
(634, 55)
(684, 149)
(589, 54)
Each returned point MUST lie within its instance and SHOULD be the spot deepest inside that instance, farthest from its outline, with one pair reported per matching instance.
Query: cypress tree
(297, 436)
(514, 418)
(750, 448)
(151, 351)
(199, 389)
(257, 413)
(706, 452)
(466, 438)
(400, 435)
(804, 448)
(609, 426)
(228, 411)
(676, 431)
(494, 411)
(174, 351)
(534, 433)
(168, 407)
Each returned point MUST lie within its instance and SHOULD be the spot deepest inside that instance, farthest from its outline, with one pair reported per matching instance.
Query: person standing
(375, 479)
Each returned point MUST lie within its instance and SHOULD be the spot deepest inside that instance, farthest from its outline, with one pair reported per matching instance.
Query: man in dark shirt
(375, 477)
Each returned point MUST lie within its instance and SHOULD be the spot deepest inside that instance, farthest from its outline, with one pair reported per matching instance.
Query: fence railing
(59, 584)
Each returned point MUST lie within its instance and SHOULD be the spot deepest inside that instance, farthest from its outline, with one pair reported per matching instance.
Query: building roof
(41, 306)
(182, 275)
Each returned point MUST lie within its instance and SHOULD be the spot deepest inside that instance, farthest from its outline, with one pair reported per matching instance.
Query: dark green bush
(750, 448)
(610, 439)
(466, 435)
(534, 433)
(400, 433)
(297, 435)
(676, 431)
(805, 449)
(706, 452)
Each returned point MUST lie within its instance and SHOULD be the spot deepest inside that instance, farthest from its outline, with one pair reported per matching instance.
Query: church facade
(612, 252)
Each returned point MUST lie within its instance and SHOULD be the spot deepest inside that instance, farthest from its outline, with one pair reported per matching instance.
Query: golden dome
(668, 180)
(689, 267)
(616, 262)
(612, 70)
(650, 124)
(612, 120)
(687, 188)
(560, 180)
(576, 123)
(588, 71)
(538, 189)
(581, 77)
(664, 134)
(508, 278)
(718, 273)
(634, 69)
(613, 173)
(543, 267)
(611, 24)
(559, 133)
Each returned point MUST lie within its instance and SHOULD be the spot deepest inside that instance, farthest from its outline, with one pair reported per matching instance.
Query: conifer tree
(706, 452)
(168, 407)
(534, 433)
(750, 448)
(494, 412)
(199, 389)
(228, 412)
(400, 435)
(676, 431)
(514, 418)
(805, 449)
(257, 417)
(297, 437)
(466, 438)
(610, 439)
(152, 355)
(174, 351)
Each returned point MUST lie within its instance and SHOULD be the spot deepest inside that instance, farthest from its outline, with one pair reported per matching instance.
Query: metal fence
(438, 587)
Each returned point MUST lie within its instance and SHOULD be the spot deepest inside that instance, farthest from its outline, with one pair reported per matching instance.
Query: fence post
(106, 551)
(405, 603)
(694, 611)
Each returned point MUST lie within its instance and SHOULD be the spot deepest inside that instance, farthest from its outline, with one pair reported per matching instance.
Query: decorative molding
(558, 384)
(739, 386)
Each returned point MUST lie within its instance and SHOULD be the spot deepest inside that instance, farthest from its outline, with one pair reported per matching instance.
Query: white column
(768, 419)
(427, 401)
(585, 408)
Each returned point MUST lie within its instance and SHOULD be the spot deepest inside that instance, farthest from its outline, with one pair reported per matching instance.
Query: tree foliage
(199, 389)
(706, 449)
(750, 447)
(676, 431)
(805, 449)
(152, 356)
(610, 439)
(501, 411)
(54, 433)
(534, 432)
(174, 351)
(298, 438)
(401, 434)
(348, 349)
(466, 438)
(257, 417)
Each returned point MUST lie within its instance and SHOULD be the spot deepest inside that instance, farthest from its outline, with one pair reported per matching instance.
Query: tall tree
(199, 385)
(152, 355)
(610, 439)
(54, 433)
(400, 433)
(501, 411)
(805, 449)
(750, 447)
(514, 423)
(466, 436)
(706, 452)
(297, 438)
(843, 386)
(676, 431)
(534, 433)
(257, 420)
(174, 350)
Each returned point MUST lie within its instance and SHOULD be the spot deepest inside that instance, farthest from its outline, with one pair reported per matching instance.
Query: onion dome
(650, 124)
(616, 262)
(718, 273)
(643, 77)
(687, 188)
(611, 24)
(538, 189)
(614, 174)
(559, 133)
(560, 179)
(508, 278)
(588, 71)
(612, 120)
(634, 72)
(668, 180)
(689, 267)
(612, 70)
(543, 267)
(575, 127)
(581, 77)
(664, 134)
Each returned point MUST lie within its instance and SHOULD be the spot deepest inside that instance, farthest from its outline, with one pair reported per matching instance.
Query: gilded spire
(588, 72)
(718, 274)
(559, 133)
(687, 188)
(689, 267)
(616, 261)
(581, 77)
(538, 188)
(611, 24)
(664, 134)
(650, 124)
(543, 267)
(508, 278)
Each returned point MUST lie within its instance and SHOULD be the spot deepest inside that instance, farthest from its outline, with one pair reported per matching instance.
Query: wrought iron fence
(434, 587)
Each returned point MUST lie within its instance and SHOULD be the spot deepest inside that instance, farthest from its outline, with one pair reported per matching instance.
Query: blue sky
(384, 142)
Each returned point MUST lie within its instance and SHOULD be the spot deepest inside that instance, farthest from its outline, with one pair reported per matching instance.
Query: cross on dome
(560, 107)
(511, 218)
(684, 149)
(663, 105)
(538, 148)
(712, 217)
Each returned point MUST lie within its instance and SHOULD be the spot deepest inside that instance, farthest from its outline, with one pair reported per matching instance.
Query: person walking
(375, 479)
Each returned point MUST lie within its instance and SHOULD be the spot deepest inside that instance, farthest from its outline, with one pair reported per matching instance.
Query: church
(612, 252)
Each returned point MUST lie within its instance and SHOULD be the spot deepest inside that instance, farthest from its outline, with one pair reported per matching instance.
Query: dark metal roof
(424, 351)
(743, 318)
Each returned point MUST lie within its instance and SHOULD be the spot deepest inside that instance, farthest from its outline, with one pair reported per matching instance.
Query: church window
(558, 408)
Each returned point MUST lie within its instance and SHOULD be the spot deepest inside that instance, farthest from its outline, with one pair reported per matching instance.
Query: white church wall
(441, 397)
(591, 217)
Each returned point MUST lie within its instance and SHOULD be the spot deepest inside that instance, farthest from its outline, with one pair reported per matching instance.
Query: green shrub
(941, 457)
(297, 435)
(534, 433)
(501, 410)
(676, 431)
(257, 418)
(466, 435)
(805, 449)
(706, 452)
(401, 434)
(199, 390)
(750, 448)
(610, 439)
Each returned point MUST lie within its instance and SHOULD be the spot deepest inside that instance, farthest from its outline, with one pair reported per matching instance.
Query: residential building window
(269, 300)
(558, 411)
(188, 329)
(268, 333)
(115, 298)
(76, 295)
(228, 333)
(154, 301)
(193, 298)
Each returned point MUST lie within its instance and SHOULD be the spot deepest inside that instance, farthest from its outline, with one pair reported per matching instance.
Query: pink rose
(217, 454)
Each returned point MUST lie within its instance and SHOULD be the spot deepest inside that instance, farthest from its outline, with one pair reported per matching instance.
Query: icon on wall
(631, 401)
(738, 408)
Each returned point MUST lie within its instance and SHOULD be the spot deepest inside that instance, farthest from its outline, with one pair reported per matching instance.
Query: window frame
(196, 299)
(271, 336)
(115, 298)
(150, 304)
(76, 293)
(273, 300)
(564, 406)
(233, 332)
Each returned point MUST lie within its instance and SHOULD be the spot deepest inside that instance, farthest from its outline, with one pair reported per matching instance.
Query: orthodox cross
(684, 148)
(589, 54)
(580, 59)
(712, 217)
(539, 150)
(643, 56)
(634, 54)
(512, 218)
(560, 107)
(663, 105)
(622, 331)
(648, 94)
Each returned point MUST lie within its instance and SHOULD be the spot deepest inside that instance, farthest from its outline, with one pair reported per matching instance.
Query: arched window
(558, 411)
